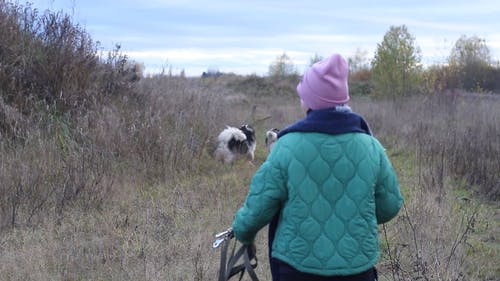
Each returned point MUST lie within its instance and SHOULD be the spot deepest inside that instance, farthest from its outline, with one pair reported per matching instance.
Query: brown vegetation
(107, 175)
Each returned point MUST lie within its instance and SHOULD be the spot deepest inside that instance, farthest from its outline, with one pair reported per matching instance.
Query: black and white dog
(234, 142)
(271, 138)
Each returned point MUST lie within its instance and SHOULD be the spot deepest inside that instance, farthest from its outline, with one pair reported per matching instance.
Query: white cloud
(194, 61)
(295, 27)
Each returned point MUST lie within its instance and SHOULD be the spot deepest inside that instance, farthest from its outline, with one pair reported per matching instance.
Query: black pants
(285, 272)
(273, 263)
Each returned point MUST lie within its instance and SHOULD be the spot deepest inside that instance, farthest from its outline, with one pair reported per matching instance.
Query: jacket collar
(329, 121)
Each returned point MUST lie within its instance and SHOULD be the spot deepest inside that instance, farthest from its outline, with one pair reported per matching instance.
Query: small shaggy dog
(271, 138)
(234, 142)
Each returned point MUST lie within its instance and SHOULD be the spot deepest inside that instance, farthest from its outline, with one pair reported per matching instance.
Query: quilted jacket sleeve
(388, 198)
(267, 191)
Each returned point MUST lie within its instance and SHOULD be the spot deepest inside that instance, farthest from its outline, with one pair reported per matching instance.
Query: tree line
(397, 70)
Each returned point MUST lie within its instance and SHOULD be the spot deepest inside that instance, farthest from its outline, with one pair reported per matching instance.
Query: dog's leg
(251, 157)
(229, 159)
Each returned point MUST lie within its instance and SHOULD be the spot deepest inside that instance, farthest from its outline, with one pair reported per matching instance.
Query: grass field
(106, 174)
(138, 196)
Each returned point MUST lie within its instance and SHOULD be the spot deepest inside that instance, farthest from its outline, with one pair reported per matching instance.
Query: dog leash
(228, 267)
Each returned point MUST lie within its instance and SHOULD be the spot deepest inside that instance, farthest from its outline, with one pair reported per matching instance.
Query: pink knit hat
(324, 85)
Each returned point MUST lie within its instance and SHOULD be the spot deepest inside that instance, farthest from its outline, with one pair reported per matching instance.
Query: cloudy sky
(245, 37)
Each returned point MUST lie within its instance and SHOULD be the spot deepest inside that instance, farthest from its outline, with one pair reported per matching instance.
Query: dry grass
(439, 235)
(449, 135)
(161, 232)
(108, 178)
(157, 221)
(444, 150)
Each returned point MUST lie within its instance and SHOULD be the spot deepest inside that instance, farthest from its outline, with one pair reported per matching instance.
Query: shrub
(50, 62)
(51, 78)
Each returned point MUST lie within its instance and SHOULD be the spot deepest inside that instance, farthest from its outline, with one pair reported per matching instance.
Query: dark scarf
(329, 121)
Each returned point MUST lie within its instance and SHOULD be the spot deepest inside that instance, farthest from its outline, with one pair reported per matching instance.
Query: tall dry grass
(450, 135)
(107, 175)
(446, 151)
(162, 196)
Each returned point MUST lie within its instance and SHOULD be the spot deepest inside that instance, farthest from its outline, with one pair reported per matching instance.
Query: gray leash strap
(228, 267)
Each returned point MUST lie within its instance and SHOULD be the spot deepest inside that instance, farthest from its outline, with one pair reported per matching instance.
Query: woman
(324, 187)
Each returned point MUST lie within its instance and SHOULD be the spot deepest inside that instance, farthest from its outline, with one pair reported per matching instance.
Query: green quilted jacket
(330, 191)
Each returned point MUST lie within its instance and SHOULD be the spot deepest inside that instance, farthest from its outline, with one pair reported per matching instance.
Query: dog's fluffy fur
(271, 138)
(234, 142)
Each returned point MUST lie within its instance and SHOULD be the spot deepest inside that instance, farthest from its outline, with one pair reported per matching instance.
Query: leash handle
(223, 236)
(228, 267)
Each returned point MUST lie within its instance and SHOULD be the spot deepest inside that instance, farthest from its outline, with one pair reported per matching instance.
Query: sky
(246, 37)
